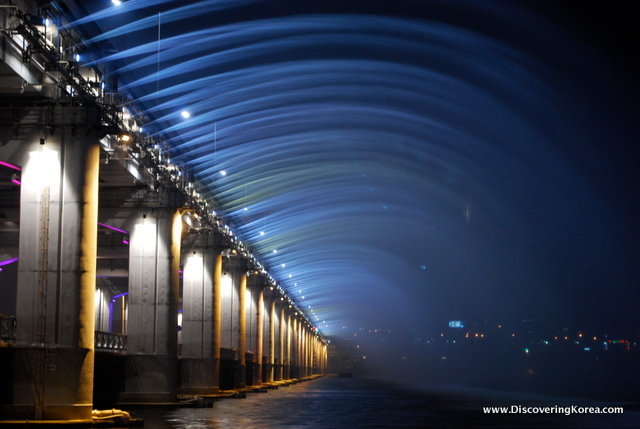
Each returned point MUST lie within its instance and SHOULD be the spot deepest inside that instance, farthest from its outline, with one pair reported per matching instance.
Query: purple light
(16, 181)
(118, 296)
(113, 228)
(6, 164)
(125, 242)
(8, 261)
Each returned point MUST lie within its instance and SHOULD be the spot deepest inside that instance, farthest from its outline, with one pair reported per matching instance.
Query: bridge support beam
(154, 258)
(53, 374)
(202, 263)
(254, 315)
(269, 326)
(286, 370)
(281, 340)
(233, 324)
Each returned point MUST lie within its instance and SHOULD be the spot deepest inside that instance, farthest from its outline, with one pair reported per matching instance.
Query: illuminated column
(318, 365)
(309, 352)
(280, 341)
(287, 345)
(325, 358)
(293, 366)
(233, 323)
(199, 373)
(310, 347)
(217, 316)
(300, 348)
(241, 381)
(316, 355)
(54, 356)
(295, 355)
(260, 337)
(271, 307)
(277, 357)
(254, 304)
(154, 284)
(306, 351)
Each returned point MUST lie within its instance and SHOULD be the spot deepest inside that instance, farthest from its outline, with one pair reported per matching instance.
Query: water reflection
(333, 402)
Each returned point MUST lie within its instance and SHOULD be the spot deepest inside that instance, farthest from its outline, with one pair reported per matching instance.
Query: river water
(333, 402)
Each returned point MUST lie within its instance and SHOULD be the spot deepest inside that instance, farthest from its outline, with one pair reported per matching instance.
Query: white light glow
(44, 169)
(185, 114)
(193, 268)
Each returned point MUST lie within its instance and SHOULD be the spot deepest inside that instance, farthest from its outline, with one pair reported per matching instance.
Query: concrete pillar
(310, 348)
(293, 366)
(305, 340)
(53, 374)
(242, 332)
(233, 324)
(309, 352)
(325, 358)
(300, 349)
(303, 350)
(254, 303)
(314, 354)
(287, 345)
(271, 306)
(278, 339)
(154, 284)
(217, 316)
(260, 336)
(198, 367)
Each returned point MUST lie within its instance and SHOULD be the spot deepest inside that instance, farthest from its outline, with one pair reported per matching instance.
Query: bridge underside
(119, 285)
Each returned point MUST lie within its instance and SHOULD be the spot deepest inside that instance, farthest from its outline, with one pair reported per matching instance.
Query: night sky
(399, 164)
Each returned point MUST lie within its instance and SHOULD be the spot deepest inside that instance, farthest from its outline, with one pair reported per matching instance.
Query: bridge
(120, 283)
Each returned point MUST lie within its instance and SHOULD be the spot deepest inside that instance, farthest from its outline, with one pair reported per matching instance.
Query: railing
(109, 342)
(7, 328)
